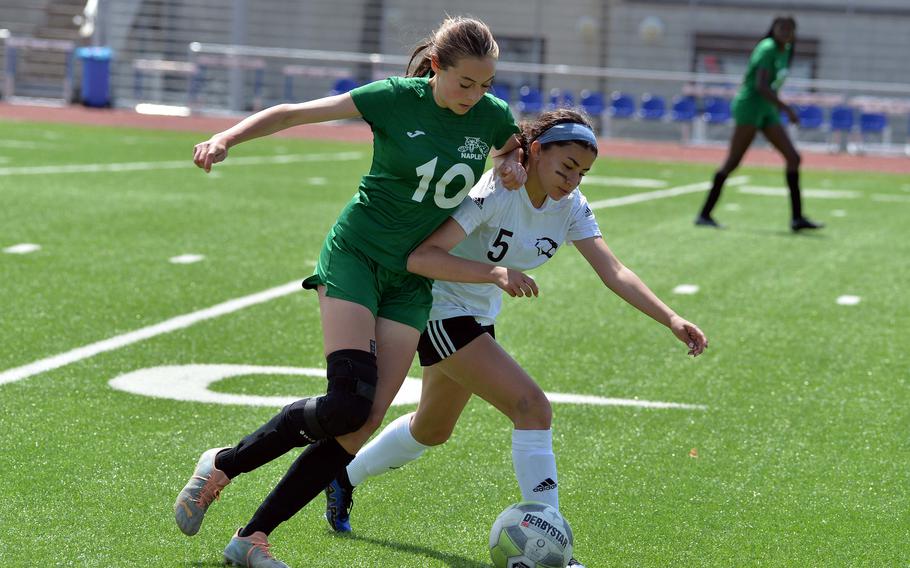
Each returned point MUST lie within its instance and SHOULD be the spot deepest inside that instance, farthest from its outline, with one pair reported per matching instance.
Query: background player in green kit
(757, 107)
(432, 133)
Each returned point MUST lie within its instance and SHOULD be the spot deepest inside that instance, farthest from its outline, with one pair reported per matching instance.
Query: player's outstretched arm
(628, 286)
(432, 259)
(271, 120)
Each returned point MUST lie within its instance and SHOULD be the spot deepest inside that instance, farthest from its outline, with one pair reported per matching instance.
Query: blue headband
(568, 132)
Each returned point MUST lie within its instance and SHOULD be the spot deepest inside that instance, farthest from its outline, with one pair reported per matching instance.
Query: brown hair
(531, 130)
(457, 37)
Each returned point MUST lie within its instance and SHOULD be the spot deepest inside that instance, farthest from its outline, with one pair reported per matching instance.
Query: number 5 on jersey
(499, 242)
(426, 173)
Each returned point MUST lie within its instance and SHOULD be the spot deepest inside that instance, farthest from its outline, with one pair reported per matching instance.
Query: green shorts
(348, 274)
(758, 113)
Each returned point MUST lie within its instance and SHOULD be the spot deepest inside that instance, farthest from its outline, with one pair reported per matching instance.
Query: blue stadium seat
(683, 109)
(593, 103)
(716, 110)
(621, 105)
(344, 85)
(872, 122)
(842, 118)
(561, 99)
(530, 101)
(811, 117)
(653, 107)
(503, 91)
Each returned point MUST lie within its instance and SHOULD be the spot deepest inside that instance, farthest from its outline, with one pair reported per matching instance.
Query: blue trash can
(96, 75)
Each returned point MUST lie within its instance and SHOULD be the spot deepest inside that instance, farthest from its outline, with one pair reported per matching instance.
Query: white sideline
(173, 324)
(173, 164)
(179, 322)
(660, 194)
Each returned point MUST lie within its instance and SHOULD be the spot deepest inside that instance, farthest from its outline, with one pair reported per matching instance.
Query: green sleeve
(374, 100)
(764, 54)
(506, 129)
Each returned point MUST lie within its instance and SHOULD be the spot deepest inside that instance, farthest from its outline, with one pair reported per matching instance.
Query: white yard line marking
(22, 248)
(191, 383)
(686, 289)
(173, 324)
(848, 300)
(174, 164)
(838, 213)
(624, 182)
(732, 207)
(603, 401)
(817, 193)
(317, 181)
(186, 259)
(661, 194)
(889, 198)
(23, 144)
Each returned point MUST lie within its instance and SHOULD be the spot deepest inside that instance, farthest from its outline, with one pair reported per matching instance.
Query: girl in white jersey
(484, 246)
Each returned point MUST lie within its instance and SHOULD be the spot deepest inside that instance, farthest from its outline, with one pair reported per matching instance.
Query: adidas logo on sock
(545, 485)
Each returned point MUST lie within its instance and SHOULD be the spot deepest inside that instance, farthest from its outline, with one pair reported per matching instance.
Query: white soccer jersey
(505, 229)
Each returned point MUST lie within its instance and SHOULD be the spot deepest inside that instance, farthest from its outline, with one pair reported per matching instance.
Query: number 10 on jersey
(426, 173)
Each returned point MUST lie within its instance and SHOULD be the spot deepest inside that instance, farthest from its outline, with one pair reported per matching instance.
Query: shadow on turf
(452, 560)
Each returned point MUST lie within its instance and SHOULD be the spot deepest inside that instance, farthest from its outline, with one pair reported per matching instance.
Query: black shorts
(444, 337)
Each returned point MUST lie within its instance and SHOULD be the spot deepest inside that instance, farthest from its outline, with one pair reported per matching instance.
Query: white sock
(391, 449)
(535, 465)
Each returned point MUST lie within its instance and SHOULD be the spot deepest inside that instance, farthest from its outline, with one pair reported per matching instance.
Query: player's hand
(792, 115)
(515, 282)
(688, 333)
(512, 174)
(210, 152)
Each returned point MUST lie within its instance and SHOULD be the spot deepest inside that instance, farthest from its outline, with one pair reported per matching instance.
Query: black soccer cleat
(574, 563)
(801, 223)
(703, 221)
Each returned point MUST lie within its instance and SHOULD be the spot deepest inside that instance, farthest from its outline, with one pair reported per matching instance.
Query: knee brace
(344, 408)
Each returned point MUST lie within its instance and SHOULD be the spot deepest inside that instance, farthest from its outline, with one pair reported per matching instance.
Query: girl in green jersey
(757, 107)
(432, 132)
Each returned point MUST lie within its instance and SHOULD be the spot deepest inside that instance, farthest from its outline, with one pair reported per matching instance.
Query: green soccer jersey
(425, 160)
(765, 56)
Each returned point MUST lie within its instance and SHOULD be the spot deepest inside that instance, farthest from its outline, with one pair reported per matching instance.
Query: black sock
(344, 480)
(307, 477)
(260, 447)
(796, 207)
(714, 194)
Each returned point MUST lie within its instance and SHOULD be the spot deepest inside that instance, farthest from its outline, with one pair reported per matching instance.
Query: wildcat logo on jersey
(473, 149)
(546, 246)
(478, 201)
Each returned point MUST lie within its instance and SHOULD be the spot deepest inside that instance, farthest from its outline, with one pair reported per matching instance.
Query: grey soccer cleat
(204, 487)
(251, 552)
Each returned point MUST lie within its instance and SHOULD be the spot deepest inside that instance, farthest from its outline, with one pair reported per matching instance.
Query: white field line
(624, 182)
(173, 324)
(817, 193)
(192, 383)
(174, 164)
(888, 198)
(663, 193)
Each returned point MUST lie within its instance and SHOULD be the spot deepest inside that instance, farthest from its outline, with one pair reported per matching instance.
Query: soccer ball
(530, 535)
